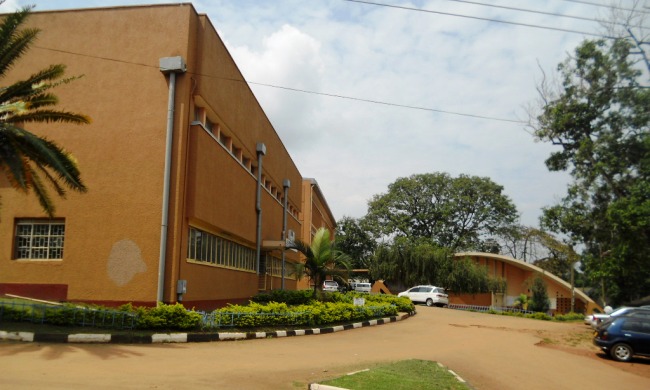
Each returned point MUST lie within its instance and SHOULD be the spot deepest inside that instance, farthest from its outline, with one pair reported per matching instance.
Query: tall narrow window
(39, 240)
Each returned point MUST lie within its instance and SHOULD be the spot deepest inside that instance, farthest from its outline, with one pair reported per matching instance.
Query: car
(330, 285)
(431, 295)
(362, 287)
(623, 337)
(598, 319)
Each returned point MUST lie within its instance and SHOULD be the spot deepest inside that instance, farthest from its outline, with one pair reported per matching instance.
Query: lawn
(401, 375)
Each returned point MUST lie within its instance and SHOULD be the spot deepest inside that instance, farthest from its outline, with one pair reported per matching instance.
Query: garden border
(158, 338)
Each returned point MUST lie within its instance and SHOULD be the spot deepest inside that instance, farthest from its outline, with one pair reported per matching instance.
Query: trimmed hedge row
(278, 308)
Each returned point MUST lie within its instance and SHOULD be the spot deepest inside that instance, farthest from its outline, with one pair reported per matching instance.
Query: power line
(607, 6)
(296, 89)
(534, 11)
(387, 103)
(480, 18)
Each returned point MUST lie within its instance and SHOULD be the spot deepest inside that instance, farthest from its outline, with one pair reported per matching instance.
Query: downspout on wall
(171, 66)
(261, 151)
(286, 183)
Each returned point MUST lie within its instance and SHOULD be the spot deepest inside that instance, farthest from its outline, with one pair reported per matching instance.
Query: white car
(330, 285)
(431, 295)
(362, 287)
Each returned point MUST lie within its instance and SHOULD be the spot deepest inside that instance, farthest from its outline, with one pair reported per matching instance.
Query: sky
(408, 89)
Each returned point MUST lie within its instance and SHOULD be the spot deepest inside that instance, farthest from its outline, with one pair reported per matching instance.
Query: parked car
(362, 287)
(598, 319)
(330, 285)
(431, 295)
(623, 337)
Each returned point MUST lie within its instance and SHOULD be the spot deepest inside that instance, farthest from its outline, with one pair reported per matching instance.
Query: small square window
(39, 240)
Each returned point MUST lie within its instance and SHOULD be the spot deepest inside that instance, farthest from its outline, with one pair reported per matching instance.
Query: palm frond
(41, 193)
(35, 84)
(50, 116)
(47, 154)
(13, 42)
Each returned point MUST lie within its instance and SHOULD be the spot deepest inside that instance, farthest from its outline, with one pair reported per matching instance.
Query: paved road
(490, 352)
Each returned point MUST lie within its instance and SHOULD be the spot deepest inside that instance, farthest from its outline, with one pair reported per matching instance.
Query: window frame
(51, 242)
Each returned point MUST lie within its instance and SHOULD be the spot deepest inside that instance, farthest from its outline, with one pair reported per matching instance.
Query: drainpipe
(286, 183)
(171, 66)
(261, 151)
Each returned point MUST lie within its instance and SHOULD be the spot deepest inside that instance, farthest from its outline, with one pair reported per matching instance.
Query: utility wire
(536, 12)
(387, 103)
(296, 89)
(480, 18)
(607, 6)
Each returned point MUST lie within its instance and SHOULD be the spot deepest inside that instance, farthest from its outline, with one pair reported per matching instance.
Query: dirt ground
(488, 351)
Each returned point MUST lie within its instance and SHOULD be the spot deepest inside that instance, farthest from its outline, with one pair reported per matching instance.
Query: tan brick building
(172, 160)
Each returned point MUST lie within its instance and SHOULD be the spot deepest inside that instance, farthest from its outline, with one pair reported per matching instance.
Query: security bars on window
(39, 240)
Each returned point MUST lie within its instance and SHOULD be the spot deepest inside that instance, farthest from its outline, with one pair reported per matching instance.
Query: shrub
(569, 317)
(290, 297)
(539, 316)
(165, 317)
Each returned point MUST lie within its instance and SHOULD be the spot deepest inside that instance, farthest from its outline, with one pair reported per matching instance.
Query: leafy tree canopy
(599, 119)
(455, 213)
(405, 263)
(353, 239)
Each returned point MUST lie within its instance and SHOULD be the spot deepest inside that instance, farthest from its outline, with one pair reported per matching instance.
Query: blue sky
(355, 149)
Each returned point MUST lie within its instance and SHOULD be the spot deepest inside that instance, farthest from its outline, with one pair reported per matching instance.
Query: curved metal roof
(528, 267)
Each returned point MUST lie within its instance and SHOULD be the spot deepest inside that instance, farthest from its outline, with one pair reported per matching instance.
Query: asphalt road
(489, 352)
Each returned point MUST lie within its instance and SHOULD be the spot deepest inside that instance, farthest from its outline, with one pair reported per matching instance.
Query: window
(39, 240)
(211, 249)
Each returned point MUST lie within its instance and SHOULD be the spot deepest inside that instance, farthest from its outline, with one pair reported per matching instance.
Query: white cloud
(355, 149)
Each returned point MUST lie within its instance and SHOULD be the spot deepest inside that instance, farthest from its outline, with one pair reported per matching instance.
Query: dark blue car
(624, 337)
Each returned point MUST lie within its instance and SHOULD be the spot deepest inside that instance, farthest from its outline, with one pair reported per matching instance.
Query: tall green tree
(599, 120)
(28, 161)
(353, 239)
(322, 259)
(456, 213)
(405, 263)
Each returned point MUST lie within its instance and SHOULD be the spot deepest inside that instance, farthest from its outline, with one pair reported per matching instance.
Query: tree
(321, 259)
(353, 239)
(405, 262)
(456, 213)
(29, 161)
(600, 120)
(539, 300)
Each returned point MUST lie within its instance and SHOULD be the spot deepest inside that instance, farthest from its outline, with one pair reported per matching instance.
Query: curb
(160, 338)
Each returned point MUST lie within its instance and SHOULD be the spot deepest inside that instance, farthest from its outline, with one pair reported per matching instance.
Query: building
(189, 183)
(518, 276)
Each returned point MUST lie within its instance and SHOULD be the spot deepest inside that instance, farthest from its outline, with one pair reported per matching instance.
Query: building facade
(518, 276)
(188, 180)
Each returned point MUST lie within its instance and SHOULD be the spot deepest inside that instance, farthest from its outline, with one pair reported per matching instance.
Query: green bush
(290, 297)
(172, 317)
(569, 317)
(539, 316)
(314, 313)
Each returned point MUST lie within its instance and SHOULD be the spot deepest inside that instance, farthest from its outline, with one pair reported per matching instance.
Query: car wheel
(429, 302)
(621, 352)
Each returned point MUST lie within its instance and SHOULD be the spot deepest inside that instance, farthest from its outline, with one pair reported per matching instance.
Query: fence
(489, 308)
(66, 315)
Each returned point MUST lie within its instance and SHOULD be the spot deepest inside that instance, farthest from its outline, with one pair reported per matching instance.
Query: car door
(415, 294)
(636, 332)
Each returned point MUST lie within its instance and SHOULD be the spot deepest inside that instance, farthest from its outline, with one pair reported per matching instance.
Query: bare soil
(488, 351)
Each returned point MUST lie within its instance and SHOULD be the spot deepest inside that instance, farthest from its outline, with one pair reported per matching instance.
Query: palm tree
(27, 160)
(321, 259)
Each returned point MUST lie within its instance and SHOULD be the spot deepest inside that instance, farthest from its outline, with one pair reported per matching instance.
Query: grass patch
(402, 375)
